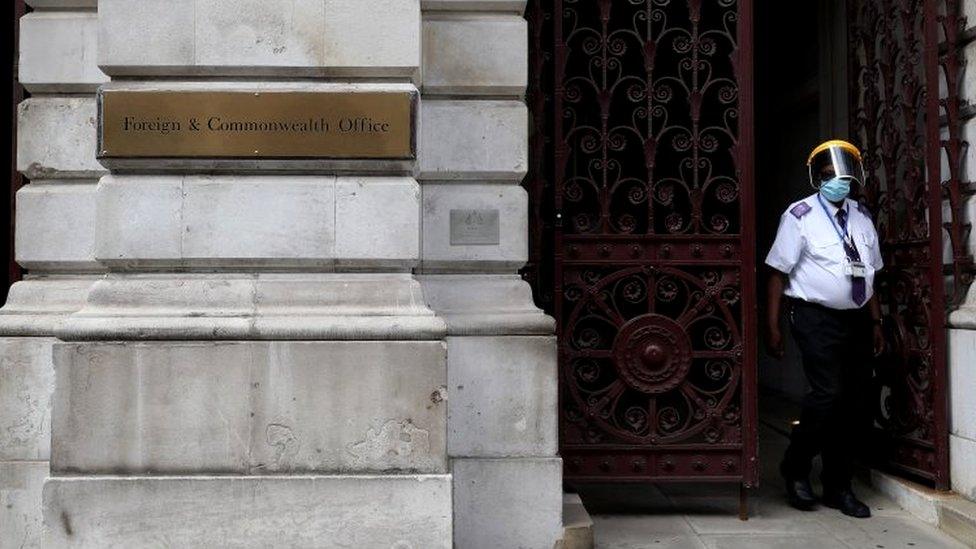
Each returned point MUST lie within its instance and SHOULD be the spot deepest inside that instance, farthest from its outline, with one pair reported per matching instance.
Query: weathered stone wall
(229, 334)
(502, 418)
(346, 346)
(258, 366)
(55, 235)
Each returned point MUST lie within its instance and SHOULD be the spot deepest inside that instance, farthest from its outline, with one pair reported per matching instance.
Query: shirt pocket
(867, 237)
(867, 241)
(825, 247)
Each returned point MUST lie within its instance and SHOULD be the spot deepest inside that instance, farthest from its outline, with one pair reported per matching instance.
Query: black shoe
(800, 494)
(798, 491)
(847, 502)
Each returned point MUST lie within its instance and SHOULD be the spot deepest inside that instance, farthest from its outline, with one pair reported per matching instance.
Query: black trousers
(836, 348)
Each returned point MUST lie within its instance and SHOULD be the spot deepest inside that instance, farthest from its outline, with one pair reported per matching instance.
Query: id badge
(855, 269)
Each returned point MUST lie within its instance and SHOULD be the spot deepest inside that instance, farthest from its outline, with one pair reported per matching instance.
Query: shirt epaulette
(800, 210)
(863, 209)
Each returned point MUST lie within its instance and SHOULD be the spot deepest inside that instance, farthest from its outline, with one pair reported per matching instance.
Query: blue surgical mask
(835, 189)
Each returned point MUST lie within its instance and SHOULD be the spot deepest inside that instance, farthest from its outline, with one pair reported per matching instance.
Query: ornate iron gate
(643, 136)
(899, 51)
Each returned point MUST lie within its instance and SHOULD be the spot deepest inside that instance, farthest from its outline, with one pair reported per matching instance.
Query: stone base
(962, 411)
(921, 501)
(512, 503)
(577, 524)
(502, 396)
(248, 306)
(958, 518)
(397, 511)
(26, 385)
(20, 503)
(249, 407)
(485, 305)
(949, 511)
(37, 305)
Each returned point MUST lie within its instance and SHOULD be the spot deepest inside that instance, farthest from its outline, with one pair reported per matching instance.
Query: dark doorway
(800, 72)
(862, 70)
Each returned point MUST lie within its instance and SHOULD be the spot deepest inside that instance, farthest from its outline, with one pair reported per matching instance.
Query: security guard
(823, 260)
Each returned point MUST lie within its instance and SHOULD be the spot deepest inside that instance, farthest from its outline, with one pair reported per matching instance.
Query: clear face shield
(836, 161)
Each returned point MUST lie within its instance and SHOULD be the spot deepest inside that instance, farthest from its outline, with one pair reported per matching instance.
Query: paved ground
(682, 516)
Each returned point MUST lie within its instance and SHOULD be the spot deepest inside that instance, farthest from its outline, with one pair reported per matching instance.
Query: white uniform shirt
(809, 250)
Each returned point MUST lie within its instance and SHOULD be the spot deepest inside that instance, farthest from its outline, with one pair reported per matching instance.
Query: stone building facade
(258, 354)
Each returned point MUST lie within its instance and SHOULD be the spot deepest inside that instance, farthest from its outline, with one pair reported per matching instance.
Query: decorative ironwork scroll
(649, 132)
(900, 50)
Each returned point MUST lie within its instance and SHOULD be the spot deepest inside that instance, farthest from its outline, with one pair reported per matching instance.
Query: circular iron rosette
(652, 355)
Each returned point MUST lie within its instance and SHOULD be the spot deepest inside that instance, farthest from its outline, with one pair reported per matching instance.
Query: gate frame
(936, 59)
(943, 200)
(938, 324)
(744, 148)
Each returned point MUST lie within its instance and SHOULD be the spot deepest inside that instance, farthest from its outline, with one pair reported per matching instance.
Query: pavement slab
(704, 516)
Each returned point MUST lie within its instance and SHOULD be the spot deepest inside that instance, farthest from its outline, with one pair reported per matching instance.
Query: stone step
(957, 516)
(577, 524)
(949, 511)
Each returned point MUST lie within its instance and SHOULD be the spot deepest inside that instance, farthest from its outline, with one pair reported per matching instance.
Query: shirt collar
(831, 207)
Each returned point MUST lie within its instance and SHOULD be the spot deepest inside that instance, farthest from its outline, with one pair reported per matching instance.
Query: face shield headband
(835, 161)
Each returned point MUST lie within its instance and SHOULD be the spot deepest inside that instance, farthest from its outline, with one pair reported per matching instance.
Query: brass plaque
(266, 124)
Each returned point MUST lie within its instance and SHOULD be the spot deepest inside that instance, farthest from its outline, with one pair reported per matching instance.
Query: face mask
(835, 189)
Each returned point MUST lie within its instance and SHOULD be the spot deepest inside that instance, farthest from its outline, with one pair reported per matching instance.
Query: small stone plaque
(474, 227)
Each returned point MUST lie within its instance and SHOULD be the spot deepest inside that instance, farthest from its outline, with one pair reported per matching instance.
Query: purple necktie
(858, 285)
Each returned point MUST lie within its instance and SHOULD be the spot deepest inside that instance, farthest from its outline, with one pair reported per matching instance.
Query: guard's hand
(774, 343)
(879, 341)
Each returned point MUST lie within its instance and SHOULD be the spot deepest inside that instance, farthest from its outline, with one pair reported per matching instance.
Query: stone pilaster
(962, 322)
(502, 418)
(54, 237)
(962, 404)
(259, 366)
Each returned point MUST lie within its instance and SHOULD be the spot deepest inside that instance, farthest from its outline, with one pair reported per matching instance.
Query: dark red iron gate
(643, 136)
(899, 52)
